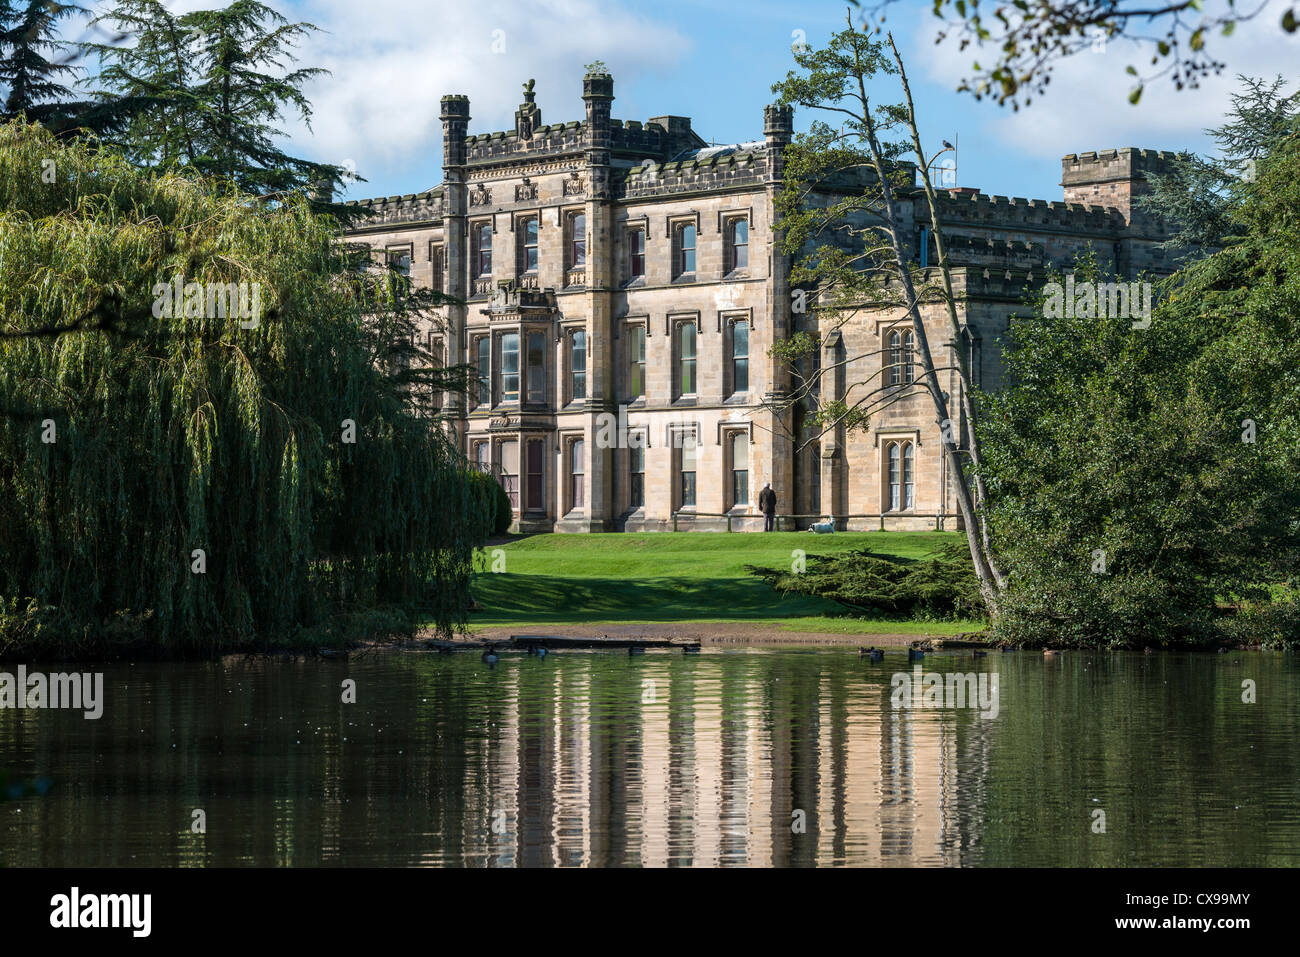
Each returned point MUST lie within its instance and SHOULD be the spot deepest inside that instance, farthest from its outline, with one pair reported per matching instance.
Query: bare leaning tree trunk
(989, 582)
(954, 324)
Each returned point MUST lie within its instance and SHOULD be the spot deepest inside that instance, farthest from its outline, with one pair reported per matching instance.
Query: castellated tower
(1114, 178)
(1117, 179)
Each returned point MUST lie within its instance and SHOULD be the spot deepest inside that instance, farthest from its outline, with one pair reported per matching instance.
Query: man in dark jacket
(767, 505)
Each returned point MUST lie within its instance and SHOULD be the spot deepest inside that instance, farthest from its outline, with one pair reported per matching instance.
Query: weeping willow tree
(196, 476)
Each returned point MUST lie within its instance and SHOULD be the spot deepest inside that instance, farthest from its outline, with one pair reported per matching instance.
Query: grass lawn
(680, 577)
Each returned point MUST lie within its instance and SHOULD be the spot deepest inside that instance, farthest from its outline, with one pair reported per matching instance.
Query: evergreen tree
(1200, 196)
(33, 62)
(214, 87)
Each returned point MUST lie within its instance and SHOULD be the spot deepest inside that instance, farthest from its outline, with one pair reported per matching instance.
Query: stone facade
(591, 260)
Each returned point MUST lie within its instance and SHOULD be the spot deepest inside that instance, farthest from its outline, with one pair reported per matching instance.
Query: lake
(750, 756)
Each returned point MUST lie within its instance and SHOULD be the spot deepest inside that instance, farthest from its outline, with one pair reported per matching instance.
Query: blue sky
(715, 61)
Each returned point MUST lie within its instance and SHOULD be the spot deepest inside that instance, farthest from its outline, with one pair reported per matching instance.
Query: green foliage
(1272, 624)
(181, 432)
(1026, 39)
(29, 76)
(1170, 451)
(834, 218)
(494, 501)
(941, 586)
(1200, 197)
(843, 242)
(209, 91)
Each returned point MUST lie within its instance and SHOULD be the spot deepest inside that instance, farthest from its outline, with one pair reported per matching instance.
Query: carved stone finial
(528, 117)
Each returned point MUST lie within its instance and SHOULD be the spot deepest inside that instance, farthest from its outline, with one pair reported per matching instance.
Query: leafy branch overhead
(1027, 38)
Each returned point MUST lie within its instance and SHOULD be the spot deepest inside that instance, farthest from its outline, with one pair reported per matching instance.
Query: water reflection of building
(712, 767)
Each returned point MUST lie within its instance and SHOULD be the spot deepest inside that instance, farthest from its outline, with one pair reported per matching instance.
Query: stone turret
(778, 131)
(598, 93)
(455, 124)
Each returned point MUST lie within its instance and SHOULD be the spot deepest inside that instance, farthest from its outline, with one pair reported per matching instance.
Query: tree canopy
(1200, 197)
(1145, 485)
(180, 476)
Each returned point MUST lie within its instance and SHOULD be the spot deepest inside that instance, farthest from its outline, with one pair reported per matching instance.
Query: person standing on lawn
(767, 505)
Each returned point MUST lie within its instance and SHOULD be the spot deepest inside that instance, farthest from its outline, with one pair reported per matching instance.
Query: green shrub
(1273, 625)
(942, 586)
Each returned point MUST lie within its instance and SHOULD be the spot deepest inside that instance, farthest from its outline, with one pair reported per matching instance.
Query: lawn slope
(678, 577)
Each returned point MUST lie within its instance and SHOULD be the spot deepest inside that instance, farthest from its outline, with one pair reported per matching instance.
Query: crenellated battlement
(1009, 212)
(1116, 163)
(553, 138)
(985, 250)
(411, 208)
(713, 171)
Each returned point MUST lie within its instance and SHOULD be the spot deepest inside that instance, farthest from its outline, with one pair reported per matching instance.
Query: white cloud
(391, 61)
(1086, 105)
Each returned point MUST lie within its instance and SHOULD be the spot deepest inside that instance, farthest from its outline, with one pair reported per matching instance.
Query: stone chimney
(528, 117)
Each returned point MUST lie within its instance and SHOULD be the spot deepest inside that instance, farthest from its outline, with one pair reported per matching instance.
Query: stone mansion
(618, 288)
